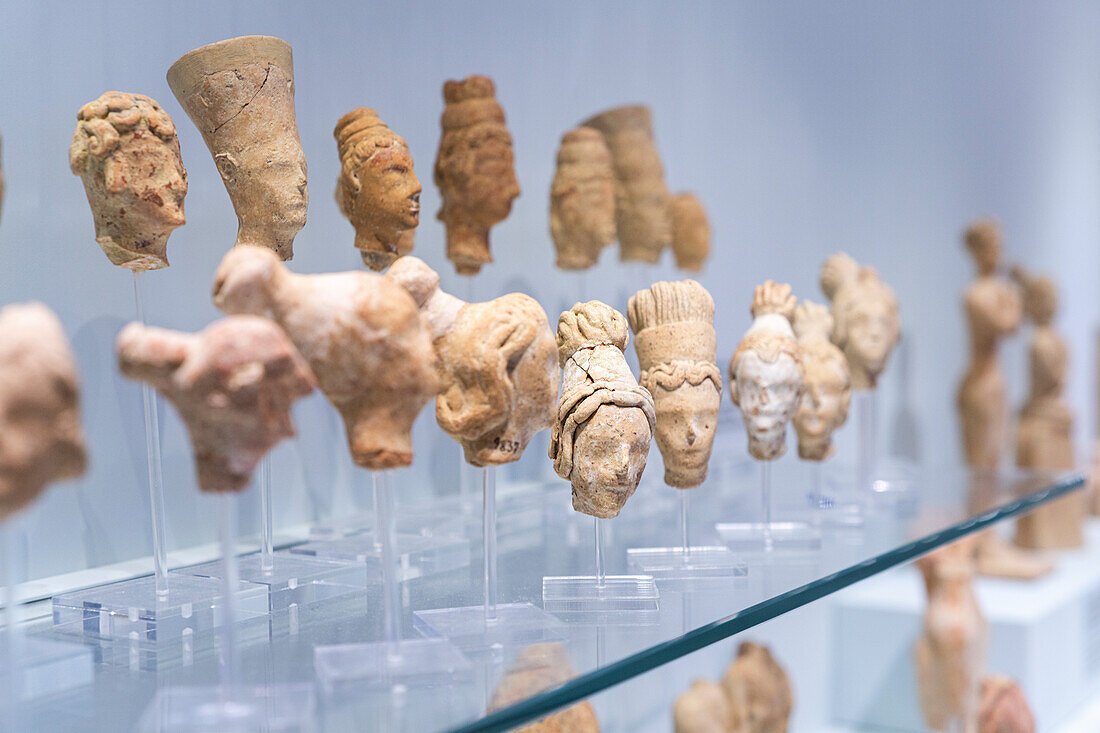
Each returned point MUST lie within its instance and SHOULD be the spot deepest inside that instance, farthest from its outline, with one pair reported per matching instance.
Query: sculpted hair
(673, 374)
(590, 324)
(102, 123)
(670, 302)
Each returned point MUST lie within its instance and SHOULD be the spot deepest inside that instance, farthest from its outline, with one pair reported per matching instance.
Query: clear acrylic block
(417, 556)
(244, 709)
(588, 598)
(472, 630)
(703, 563)
(384, 664)
(769, 537)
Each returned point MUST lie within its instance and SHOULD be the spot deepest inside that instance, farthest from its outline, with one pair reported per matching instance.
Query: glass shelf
(946, 505)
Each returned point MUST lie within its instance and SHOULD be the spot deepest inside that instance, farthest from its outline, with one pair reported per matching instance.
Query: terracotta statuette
(703, 708)
(643, 217)
(498, 367)
(758, 691)
(766, 372)
(126, 151)
(537, 668)
(233, 384)
(377, 189)
(582, 199)
(1044, 435)
(690, 232)
(865, 317)
(40, 436)
(1003, 707)
(826, 381)
(950, 653)
(673, 325)
(240, 94)
(360, 332)
(605, 419)
(474, 171)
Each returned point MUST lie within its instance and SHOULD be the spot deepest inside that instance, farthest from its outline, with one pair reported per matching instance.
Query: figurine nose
(693, 432)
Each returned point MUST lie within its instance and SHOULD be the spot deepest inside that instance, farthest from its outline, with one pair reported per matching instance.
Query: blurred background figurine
(582, 200)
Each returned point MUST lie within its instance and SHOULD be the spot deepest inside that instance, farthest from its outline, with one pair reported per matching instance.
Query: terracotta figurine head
(240, 94)
(497, 366)
(983, 241)
(537, 668)
(758, 691)
(690, 232)
(582, 199)
(826, 380)
(126, 152)
(233, 384)
(362, 335)
(673, 325)
(40, 436)
(766, 372)
(702, 708)
(865, 317)
(474, 171)
(605, 419)
(377, 189)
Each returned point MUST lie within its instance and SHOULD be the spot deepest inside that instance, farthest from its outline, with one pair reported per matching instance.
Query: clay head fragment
(605, 419)
(377, 189)
(758, 691)
(865, 317)
(766, 372)
(233, 384)
(582, 199)
(538, 668)
(126, 151)
(690, 232)
(498, 368)
(673, 325)
(474, 171)
(40, 436)
(240, 94)
(826, 382)
(362, 335)
(703, 708)
(1003, 707)
(643, 217)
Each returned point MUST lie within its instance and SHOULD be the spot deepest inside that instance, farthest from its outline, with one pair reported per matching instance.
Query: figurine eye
(398, 168)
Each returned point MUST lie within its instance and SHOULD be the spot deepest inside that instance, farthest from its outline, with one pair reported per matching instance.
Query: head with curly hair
(866, 324)
(677, 347)
(377, 189)
(125, 150)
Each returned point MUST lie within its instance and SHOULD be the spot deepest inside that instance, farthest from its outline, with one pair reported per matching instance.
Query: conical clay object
(498, 366)
(826, 380)
(233, 383)
(125, 150)
(360, 332)
(690, 232)
(866, 325)
(240, 94)
(582, 199)
(605, 419)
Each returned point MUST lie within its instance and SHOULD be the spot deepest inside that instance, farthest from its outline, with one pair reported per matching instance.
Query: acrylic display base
(283, 708)
(131, 608)
(771, 537)
(469, 629)
(417, 556)
(687, 565)
(384, 664)
(42, 667)
(293, 580)
(586, 598)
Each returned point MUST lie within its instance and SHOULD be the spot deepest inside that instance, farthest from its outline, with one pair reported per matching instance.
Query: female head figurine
(582, 199)
(240, 94)
(983, 241)
(826, 381)
(377, 189)
(673, 325)
(865, 317)
(497, 366)
(605, 419)
(40, 436)
(126, 151)
(766, 372)
(474, 171)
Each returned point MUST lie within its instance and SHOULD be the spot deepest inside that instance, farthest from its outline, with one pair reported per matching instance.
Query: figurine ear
(733, 391)
(227, 166)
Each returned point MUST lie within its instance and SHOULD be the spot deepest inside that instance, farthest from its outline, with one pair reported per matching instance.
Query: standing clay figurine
(605, 419)
(950, 653)
(240, 94)
(40, 436)
(690, 232)
(377, 189)
(766, 372)
(1044, 436)
(582, 199)
(758, 691)
(538, 668)
(362, 335)
(474, 171)
(865, 317)
(673, 325)
(126, 152)
(233, 384)
(1003, 707)
(826, 381)
(497, 364)
(702, 709)
(643, 216)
